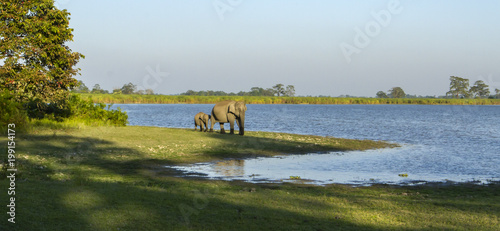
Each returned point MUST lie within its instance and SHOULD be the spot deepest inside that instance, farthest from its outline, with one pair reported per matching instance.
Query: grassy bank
(110, 178)
(182, 99)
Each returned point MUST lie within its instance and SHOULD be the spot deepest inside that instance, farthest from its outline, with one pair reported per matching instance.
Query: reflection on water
(229, 168)
(356, 168)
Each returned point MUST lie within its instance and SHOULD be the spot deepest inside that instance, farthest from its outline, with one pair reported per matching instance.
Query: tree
(81, 88)
(397, 92)
(96, 89)
(480, 89)
(38, 67)
(149, 91)
(189, 92)
(382, 94)
(256, 91)
(117, 91)
(128, 88)
(290, 91)
(497, 91)
(459, 87)
(278, 89)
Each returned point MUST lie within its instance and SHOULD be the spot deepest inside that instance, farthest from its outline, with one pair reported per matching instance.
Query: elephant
(201, 119)
(227, 112)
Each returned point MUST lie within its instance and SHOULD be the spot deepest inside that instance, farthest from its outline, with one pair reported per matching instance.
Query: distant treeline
(193, 99)
(278, 89)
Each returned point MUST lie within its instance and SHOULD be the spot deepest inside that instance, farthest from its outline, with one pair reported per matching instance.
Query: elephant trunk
(241, 123)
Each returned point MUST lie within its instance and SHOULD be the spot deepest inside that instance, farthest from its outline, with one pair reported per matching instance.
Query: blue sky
(321, 47)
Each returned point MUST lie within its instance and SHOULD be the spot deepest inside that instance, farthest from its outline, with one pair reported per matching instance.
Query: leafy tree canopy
(397, 92)
(278, 88)
(128, 88)
(254, 91)
(459, 87)
(80, 88)
(289, 91)
(37, 65)
(382, 94)
(480, 89)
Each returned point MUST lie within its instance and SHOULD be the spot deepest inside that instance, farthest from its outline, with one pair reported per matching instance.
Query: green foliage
(117, 91)
(397, 92)
(289, 91)
(11, 113)
(278, 88)
(79, 110)
(459, 87)
(480, 89)
(97, 90)
(128, 88)
(80, 88)
(382, 94)
(258, 91)
(185, 99)
(38, 66)
(254, 91)
(94, 114)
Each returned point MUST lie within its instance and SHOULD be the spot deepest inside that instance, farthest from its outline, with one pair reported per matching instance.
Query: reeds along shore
(184, 99)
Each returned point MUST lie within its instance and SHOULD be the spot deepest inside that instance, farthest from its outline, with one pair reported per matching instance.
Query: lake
(440, 143)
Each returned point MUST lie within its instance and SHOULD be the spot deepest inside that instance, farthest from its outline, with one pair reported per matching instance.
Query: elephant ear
(232, 108)
(241, 106)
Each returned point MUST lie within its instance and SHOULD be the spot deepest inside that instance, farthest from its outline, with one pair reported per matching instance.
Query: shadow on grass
(251, 145)
(79, 183)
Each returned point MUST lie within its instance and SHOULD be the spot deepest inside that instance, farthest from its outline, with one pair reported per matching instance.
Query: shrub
(76, 110)
(94, 114)
(11, 112)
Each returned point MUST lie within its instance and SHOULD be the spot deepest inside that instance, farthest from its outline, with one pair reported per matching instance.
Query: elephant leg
(212, 123)
(201, 127)
(231, 126)
(206, 127)
(222, 131)
(242, 132)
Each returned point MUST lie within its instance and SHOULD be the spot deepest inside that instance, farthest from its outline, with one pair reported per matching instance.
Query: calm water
(439, 143)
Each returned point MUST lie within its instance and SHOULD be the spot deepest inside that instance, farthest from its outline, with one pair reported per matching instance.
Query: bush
(94, 114)
(75, 110)
(11, 112)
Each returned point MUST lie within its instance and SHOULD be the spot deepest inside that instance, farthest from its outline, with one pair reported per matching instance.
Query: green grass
(111, 178)
(183, 99)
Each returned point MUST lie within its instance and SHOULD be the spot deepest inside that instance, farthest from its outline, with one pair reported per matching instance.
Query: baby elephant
(201, 119)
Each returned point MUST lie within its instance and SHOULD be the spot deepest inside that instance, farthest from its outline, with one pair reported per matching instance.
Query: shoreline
(106, 178)
(182, 99)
